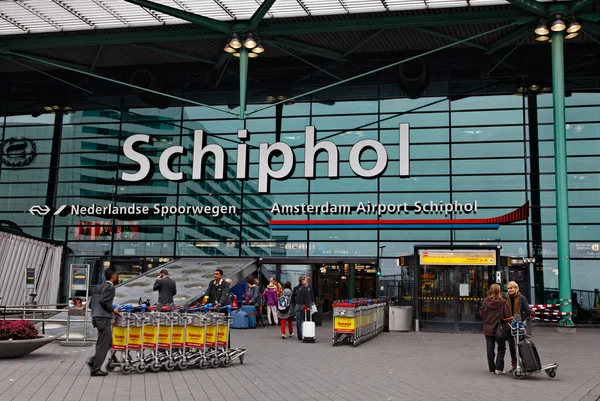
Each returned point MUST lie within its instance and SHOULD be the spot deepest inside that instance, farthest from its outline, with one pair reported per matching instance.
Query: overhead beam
(448, 37)
(98, 37)
(101, 38)
(578, 5)
(174, 54)
(209, 23)
(531, 6)
(397, 22)
(259, 14)
(510, 38)
(361, 43)
(107, 79)
(590, 27)
(305, 47)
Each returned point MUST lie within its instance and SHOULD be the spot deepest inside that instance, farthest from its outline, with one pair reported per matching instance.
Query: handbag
(502, 331)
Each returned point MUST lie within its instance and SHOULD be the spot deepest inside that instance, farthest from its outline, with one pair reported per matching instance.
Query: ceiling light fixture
(249, 43)
(574, 25)
(558, 25)
(571, 35)
(542, 38)
(542, 28)
(235, 41)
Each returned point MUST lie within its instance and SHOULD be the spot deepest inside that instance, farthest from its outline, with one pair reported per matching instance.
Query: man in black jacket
(301, 298)
(102, 313)
(218, 290)
(166, 287)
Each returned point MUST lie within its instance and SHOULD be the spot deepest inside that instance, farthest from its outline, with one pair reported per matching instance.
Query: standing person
(102, 313)
(166, 287)
(253, 298)
(217, 292)
(302, 299)
(494, 310)
(284, 312)
(277, 286)
(517, 304)
(271, 295)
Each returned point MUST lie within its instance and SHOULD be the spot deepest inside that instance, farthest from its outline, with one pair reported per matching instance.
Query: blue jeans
(299, 321)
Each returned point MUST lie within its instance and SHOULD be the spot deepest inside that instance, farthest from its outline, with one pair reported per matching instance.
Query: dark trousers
(498, 364)
(104, 327)
(511, 347)
(299, 321)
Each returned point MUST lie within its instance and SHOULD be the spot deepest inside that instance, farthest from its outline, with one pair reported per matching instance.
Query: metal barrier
(32, 314)
(357, 321)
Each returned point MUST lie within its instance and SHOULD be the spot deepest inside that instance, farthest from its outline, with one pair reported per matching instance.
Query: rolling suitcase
(251, 311)
(529, 356)
(239, 320)
(317, 317)
(308, 329)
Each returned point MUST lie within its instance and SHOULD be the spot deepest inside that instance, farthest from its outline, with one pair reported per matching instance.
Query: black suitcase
(529, 356)
(317, 317)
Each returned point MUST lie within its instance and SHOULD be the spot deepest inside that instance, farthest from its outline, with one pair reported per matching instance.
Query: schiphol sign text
(266, 153)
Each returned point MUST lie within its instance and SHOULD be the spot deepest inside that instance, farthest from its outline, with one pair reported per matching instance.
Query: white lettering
(264, 164)
(129, 152)
(311, 151)
(380, 164)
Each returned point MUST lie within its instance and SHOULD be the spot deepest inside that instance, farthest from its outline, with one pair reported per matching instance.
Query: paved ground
(392, 366)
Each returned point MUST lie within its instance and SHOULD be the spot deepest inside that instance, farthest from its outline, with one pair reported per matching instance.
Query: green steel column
(351, 281)
(243, 81)
(560, 164)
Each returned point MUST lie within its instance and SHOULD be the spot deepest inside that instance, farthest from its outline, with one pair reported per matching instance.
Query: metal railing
(34, 314)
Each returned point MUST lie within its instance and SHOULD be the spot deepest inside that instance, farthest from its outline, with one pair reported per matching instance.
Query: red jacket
(492, 312)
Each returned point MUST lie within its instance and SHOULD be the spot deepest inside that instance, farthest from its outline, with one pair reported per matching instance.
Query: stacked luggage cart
(357, 321)
(154, 340)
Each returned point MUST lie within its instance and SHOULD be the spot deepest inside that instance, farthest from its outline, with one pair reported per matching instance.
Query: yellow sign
(119, 337)
(211, 334)
(222, 336)
(164, 337)
(344, 325)
(177, 336)
(194, 336)
(135, 337)
(150, 337)
(468, 258)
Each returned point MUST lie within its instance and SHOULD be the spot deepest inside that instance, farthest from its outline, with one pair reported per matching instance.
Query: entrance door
(450, 297)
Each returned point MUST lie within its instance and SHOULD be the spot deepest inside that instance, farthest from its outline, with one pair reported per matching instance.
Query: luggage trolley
(344, 323)
(528, 360)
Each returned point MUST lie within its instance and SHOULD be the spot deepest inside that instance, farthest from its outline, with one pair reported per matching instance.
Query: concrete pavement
(392, 366)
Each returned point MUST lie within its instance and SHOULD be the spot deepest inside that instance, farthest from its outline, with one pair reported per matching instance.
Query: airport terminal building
(381, 147)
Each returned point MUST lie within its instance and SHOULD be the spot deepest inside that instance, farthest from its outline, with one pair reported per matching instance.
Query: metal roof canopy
(35, 16)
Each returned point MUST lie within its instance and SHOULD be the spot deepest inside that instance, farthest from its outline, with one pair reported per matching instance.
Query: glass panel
(437, 292)
(473, 285)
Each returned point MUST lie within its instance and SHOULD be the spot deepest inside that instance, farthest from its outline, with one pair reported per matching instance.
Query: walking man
(102, 313)
(166, 287)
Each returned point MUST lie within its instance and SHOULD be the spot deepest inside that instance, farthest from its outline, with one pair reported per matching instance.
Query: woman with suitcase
(517, 304)
(493, 312)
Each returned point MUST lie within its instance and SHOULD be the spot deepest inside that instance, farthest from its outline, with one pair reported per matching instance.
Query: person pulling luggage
(518, 305)
(301, 298)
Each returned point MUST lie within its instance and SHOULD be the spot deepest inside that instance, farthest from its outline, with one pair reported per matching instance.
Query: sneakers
(291, 335)
(283, 336)
(499, 372)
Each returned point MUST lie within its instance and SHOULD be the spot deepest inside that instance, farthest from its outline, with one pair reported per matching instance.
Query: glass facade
(483, 148)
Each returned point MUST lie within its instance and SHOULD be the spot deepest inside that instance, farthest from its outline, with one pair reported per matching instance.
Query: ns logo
(18, 152)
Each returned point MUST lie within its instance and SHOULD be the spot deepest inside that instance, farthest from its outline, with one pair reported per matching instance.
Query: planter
(19, 348)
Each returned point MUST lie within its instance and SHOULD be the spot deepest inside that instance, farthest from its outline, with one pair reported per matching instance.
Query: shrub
(17, 330)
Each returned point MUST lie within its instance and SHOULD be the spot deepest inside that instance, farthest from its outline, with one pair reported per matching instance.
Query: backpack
(284, 303)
